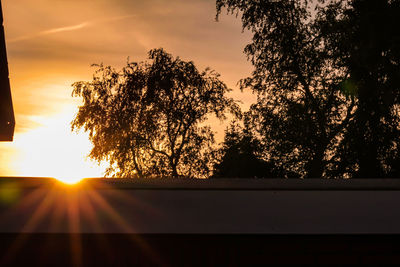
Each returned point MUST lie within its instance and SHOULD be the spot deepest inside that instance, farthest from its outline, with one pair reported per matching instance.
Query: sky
(53, 43)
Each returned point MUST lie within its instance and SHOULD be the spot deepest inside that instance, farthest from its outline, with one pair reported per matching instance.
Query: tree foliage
(301, 111)
(370, 47)
(148, 119)
(327, 78)
(241, 156)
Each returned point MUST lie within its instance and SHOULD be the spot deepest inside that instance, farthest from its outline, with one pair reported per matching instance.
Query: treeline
(327, 77)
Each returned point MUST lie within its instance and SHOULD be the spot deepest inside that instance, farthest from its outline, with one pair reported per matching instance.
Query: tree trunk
(369, 165)
(174, 168)
(174, 172)
(315, 167)
(370, 130)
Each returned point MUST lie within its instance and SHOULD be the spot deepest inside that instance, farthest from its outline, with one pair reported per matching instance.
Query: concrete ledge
(33, 205)
(215, 184)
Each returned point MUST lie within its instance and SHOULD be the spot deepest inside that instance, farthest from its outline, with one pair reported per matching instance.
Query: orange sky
(52, 43)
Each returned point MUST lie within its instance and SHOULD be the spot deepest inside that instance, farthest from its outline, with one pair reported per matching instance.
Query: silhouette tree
(327, 74)
(302, 110)
(241, 156)
(370, 47)
(145, 120)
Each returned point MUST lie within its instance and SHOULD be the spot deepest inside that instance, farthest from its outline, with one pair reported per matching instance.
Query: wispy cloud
(67, 28)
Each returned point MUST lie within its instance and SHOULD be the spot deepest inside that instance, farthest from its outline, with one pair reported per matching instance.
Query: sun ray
(77, 209)
(38, 215)
(73, 209)
(102, 203)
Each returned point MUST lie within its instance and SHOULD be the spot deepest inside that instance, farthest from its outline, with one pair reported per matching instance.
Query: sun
(70, 180)
(52, 150)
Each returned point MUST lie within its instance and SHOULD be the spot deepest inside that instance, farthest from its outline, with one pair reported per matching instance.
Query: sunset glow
(62, 155)
(50, 46)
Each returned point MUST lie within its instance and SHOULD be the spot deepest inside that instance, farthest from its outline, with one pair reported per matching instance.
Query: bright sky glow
(51, 150)
(52, 43)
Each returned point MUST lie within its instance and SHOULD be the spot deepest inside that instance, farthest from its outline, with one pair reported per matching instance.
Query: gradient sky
(52, 43)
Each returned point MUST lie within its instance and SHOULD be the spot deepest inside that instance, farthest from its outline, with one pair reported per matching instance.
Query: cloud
(48, 32)
(67, 28)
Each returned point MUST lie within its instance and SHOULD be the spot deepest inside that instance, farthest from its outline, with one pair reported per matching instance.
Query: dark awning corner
(7, 121)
